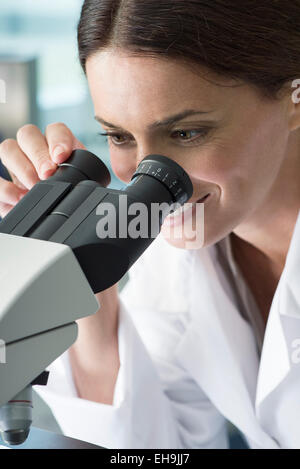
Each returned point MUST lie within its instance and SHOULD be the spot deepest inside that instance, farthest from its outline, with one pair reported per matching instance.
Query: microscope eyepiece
(82, 165)
(168, 173)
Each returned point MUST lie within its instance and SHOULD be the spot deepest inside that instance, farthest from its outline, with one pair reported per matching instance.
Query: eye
(189, 135)
(115, 138)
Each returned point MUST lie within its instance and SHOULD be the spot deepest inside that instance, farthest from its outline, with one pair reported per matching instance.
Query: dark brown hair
(256, 41)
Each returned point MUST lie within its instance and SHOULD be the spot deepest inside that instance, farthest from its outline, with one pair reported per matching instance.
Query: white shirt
(191, 358)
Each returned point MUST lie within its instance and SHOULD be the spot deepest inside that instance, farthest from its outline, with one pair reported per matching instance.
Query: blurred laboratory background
(40, 69)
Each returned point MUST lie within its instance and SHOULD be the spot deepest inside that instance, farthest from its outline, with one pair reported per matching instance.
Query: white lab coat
(189, 361)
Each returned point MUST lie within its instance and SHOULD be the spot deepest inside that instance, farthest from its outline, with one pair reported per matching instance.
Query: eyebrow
(168, 121)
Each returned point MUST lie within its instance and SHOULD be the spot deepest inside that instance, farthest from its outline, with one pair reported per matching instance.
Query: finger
(16, 181)
(10, 193)
(17, 163)
(61, 142)
(4, 209)
(34, 145)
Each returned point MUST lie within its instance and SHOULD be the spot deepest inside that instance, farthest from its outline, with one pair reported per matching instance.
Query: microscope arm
(43, 291)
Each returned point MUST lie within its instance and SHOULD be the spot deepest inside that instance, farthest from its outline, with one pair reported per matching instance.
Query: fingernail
(57, 152)
(47, 166)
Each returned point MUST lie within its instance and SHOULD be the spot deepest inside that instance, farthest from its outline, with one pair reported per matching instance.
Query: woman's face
(228, 139)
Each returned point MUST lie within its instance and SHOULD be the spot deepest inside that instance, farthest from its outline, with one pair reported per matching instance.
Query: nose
(148, 147)
(140, 157)
(125, 168)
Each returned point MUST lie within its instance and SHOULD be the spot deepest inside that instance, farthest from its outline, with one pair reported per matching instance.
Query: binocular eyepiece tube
(67, 208)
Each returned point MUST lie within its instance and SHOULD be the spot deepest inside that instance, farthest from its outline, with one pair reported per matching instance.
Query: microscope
(56, 253)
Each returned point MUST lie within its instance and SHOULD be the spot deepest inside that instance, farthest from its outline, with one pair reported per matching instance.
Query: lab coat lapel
(219, 349)
(275, 359)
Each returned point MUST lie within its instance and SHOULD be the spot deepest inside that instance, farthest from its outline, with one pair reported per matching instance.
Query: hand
(31, 157)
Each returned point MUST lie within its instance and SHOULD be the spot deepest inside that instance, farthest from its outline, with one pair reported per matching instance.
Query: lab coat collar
(222, 343)
(227, 365)
(275, 361)
(289, 302)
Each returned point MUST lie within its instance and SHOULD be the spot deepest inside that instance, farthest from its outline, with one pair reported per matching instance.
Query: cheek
(228, 166)
(215, 165)
(256, 159)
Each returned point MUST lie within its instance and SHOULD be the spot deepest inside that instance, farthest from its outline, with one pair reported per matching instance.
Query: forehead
(153, 86)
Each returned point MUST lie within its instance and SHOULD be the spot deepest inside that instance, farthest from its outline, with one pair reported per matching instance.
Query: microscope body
(43, 291)
(53, 262)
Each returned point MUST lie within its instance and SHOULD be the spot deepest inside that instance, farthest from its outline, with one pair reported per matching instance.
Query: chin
(182, 241)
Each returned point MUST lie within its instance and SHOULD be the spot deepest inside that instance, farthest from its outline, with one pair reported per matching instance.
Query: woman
(212, 86)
